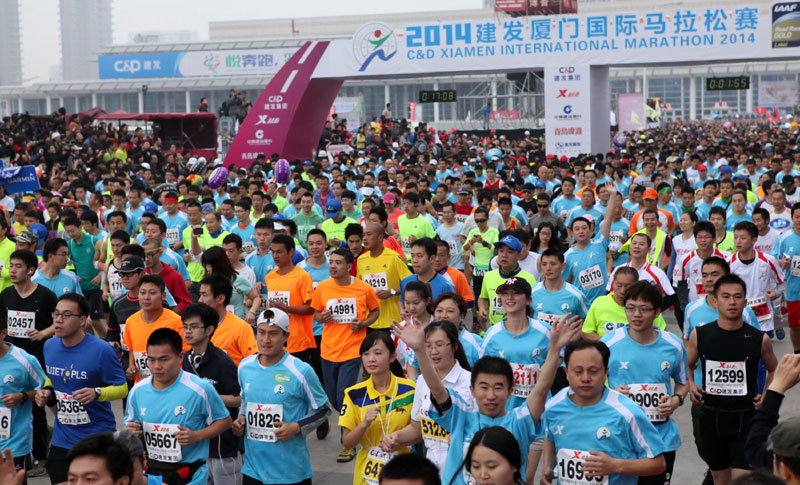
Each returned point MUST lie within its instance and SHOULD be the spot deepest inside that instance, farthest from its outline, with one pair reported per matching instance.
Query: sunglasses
(480, 221)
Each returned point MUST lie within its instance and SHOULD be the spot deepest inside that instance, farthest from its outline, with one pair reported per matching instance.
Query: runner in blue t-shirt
(492, 384)
(282, 401)
(423, 251)
(175, 412)
(21, 376)
(316, 264)
(585, 261)
(644, 361)
(553, 298)
(83, 377)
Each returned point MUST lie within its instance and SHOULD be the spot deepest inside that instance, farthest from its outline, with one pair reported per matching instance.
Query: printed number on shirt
(70, 411)
(376, 459)
(161, 443)
(760, 308)
(343, 310)
(20, 322)
(591, 278)
(377, 281)
(262, 419)
(525, 377)
(647, 396)
(5, 423)
(282, 296)
(726, 378)
(570, 468)
(140, 359)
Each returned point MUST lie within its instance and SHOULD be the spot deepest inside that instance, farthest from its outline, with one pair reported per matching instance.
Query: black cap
(517, 285)
(131, 264)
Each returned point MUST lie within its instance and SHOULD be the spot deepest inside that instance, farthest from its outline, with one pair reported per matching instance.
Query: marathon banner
(20, 179)
(250, 62)
(676, 34)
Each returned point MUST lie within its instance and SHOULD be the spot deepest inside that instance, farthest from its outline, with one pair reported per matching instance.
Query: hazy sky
(41, 34)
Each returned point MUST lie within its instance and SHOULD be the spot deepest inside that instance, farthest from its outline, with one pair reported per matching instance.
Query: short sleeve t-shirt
(31, 313)
(347, 304)
(21, 373)
(294, 289)
(418, 227)
(383, 272)
(137, 332)
(235, 337)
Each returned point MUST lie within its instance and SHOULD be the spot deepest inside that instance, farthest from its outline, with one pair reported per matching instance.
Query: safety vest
(656, 254)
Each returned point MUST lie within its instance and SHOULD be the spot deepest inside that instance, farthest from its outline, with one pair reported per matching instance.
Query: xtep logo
(566, 93)
(372, 40)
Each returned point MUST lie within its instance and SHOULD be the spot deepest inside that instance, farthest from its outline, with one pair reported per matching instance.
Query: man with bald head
(383, 269)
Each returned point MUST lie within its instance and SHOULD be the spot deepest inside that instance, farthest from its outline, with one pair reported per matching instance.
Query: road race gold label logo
(786, 24)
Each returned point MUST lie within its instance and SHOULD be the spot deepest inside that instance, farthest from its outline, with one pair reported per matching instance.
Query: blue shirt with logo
(20, 372)
(65, 282)
(788, 246)
(587, 267)
(547, 304)
(317, 275)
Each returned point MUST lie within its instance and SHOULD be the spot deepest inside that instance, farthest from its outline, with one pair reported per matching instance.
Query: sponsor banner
(566, 106)
(505, 114)
(20, 179)
(679, 33)
(630, 111)
(773, 94)
(251, 62)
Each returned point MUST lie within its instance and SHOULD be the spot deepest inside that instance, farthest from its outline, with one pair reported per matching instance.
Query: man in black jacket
(225, 457)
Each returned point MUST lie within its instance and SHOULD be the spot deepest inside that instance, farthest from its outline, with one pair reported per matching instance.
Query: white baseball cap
(274, 316)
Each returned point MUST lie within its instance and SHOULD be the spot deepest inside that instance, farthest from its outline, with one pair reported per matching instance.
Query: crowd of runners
(474, 308)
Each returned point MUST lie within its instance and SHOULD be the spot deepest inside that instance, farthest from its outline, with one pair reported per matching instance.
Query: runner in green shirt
(508, 250)
(335, 224)
(479, 245)
(412, 225)
(307, 219)
(607, 312)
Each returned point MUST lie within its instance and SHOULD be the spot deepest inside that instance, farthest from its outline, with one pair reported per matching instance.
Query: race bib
(343, 310)
(563, 214)
(525, 376)
(173, 236)
(406, 245)
(591, 278)
(569, 466)
(454, 247)
(726, 378)
(115, 289)
(480, 270)
(140, 359)
(20, 322)
(497, 305)
(548, 318)
(161, 443)
(461, 218)
(698, 287)
(760, 307)
(647, 396)
(378, 281)
(248, 246)
(376, 459)
(262, 420)
(282, 296)
(70, 411)
(615, 240)
(5, 423)
(794, 266)
(434, 435)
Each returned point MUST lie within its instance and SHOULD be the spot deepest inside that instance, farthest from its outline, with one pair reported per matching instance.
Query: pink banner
(630, 111)
(288, 116)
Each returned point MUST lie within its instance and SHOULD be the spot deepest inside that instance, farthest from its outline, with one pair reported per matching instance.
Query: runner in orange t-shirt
(141, 324)
(233, 335)
(289, 288)
(454, 276)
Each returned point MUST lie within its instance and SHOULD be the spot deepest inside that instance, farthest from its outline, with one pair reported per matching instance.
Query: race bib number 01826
(262, 420)
(569, 467)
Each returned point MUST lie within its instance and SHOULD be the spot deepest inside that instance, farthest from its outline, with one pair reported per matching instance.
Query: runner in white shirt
(760, 271)
(684, 243)
(780, 218)
(639, 248)
(767, 236)
(528, 260)
(445, 351)
(704, 236)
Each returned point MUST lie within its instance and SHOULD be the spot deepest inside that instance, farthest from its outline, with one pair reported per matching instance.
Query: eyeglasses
(65, 315)
(436, 345)
(639, 309)
(193, 327)
(480, 221)
(63, 255)
(542, 206)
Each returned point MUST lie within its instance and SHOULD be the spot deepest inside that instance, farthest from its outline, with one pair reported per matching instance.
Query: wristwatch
(680, 398)
(392, 292)
(24, 397)
(97, 391)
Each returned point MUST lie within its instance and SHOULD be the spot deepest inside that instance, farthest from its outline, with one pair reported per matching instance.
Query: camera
(198, 231)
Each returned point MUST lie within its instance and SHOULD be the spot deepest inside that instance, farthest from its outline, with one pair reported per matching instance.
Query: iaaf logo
(785, 7)
(566, 93)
